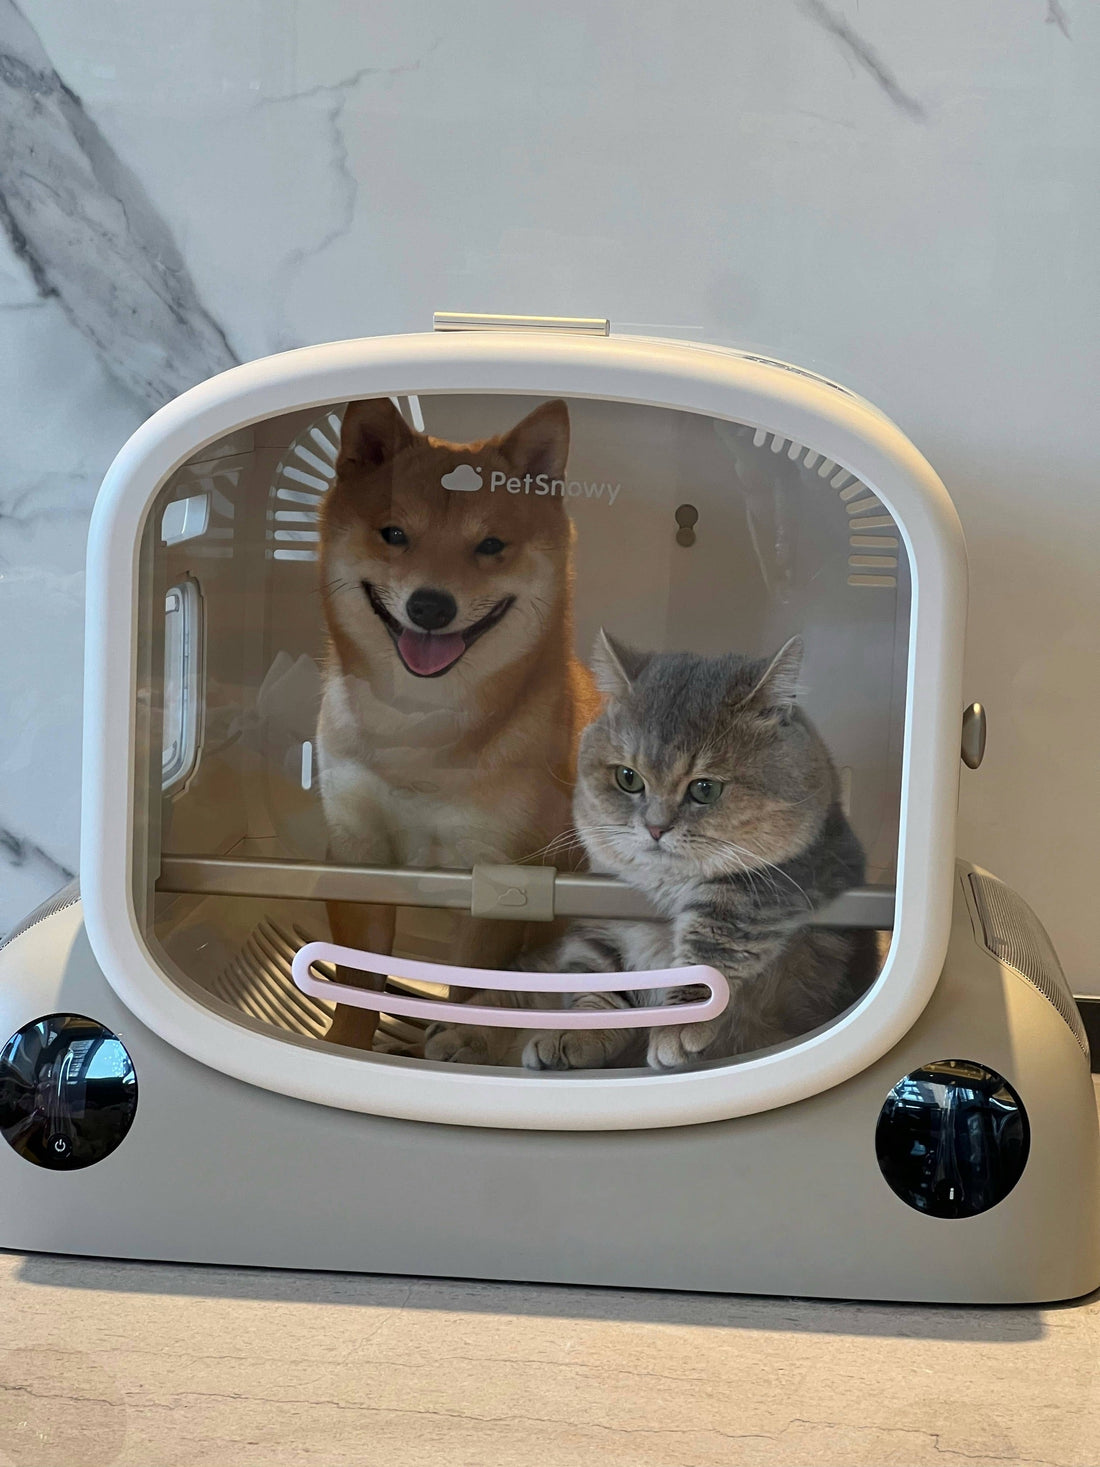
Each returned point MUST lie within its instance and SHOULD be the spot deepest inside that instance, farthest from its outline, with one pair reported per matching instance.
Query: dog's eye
(490, 546)
(393, 536)
(705, 791)
(629, 780)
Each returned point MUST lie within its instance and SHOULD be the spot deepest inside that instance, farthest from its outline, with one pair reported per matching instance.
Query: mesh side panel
(68, 896)
(1015, 935)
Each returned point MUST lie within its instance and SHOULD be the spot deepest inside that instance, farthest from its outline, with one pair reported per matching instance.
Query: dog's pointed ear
(777, 687)
(373, 432)
(615, 666)
(540, 443)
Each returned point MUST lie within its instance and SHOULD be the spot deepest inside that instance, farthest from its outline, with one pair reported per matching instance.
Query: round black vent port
(68, 1092)
(952, 1139)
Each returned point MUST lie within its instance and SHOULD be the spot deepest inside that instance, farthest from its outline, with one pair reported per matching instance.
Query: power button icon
(59, 1147)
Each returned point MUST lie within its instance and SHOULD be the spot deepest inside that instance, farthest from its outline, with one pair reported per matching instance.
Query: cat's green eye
(629, 780)
(705, 791)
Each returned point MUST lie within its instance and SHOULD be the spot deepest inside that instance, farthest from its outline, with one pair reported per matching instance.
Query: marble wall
(901, 196)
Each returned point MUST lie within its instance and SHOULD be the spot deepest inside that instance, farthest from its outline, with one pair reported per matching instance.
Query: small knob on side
(973, 735)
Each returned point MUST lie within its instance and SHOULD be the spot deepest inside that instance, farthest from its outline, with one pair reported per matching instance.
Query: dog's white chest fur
(401, 795)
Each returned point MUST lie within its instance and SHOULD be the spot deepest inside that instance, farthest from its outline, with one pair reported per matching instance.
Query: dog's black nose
(431, 609)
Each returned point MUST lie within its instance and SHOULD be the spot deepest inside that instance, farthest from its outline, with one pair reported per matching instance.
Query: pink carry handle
(504, 1018)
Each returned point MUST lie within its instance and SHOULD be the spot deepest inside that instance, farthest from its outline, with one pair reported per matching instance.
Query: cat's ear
(540, 443)
(615, 665)
(373, 432)
(778, 687)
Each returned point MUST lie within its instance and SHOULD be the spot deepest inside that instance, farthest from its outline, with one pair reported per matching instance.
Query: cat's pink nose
(656, 831)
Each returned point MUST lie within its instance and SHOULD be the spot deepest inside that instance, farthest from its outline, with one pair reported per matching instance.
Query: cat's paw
(457, 1044)
(673, 1046)
(565, 1049)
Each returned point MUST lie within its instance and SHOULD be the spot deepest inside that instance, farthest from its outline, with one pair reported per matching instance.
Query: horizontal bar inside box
(576, 894)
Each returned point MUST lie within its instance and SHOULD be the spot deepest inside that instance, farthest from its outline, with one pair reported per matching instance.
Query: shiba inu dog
(452, 701)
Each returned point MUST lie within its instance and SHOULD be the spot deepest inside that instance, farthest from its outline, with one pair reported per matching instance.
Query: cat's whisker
(756, 867)
(566, 841)
(559, 779)
(767, 865)
(563, 835)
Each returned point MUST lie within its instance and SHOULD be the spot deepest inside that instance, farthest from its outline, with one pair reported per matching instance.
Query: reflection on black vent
(1015, 935)
(68, 896)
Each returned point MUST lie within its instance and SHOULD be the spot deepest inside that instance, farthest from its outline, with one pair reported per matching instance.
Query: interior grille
(258, 982)
(1015, 936)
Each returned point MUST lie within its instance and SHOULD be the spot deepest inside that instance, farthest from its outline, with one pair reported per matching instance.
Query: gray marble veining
(865, 56)
(333, 98)
(85, 229)
(90, 245)
(1056, 15)
(17, 850)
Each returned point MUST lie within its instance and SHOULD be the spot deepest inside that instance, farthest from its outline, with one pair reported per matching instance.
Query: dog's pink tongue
(428, 652)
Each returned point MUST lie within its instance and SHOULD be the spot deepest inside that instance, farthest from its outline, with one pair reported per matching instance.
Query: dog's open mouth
(431, 654)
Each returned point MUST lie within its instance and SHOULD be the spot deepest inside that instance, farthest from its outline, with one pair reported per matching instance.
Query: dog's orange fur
(475, 764)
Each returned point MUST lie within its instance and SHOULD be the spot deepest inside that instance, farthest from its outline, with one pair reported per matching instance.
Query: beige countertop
(156, 1365)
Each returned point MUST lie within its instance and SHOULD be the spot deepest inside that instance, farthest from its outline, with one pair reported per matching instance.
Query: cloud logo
(464, 479)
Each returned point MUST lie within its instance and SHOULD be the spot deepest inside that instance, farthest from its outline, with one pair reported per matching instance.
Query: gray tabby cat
(704, 785)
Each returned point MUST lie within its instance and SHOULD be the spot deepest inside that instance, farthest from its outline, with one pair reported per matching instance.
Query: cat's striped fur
(736, 879)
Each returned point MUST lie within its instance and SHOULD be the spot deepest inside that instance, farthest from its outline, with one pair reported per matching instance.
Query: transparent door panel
(672, 531)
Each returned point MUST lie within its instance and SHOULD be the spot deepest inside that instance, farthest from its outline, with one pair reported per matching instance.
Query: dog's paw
(457, 1044)
(566, 1049)
(672, 1046)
